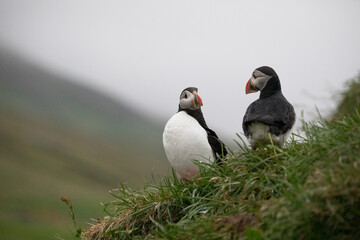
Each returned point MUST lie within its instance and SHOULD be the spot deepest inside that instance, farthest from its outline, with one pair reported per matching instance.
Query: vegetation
(310, 189)
(350, 99)
(59, 138)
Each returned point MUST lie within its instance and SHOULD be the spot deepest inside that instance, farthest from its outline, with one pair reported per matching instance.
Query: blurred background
(86, 88)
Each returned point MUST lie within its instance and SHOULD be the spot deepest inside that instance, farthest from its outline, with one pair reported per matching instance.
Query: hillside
(310, 189)
(60, 138)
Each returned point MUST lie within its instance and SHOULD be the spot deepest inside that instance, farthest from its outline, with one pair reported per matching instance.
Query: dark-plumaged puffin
(187, 137)
(271, 114)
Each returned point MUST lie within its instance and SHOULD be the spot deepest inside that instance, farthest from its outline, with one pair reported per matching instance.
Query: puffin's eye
(185, 96)
(254, 75)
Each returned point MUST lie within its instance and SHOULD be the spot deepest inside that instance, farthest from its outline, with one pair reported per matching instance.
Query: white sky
(147, 52)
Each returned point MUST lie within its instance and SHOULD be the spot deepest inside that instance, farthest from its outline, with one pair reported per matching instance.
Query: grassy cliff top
(310, 189)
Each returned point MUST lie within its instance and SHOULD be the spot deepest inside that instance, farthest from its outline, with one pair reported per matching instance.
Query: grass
(45, 154)
(39, 162)
(349, 99)
(310, 189)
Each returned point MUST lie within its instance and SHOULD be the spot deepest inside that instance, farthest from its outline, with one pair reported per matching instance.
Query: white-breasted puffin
(271, 113)
(187, 137)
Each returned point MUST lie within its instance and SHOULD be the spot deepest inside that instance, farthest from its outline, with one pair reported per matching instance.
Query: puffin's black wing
(274, 111)
(216, 144)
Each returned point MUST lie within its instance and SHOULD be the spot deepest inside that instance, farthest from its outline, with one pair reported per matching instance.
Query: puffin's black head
(189, 99)
(263, 79)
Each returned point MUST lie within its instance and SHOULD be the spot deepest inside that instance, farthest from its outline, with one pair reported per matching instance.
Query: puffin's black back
(274, 111)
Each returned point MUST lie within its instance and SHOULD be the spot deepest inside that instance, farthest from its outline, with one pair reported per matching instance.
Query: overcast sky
(147, 52)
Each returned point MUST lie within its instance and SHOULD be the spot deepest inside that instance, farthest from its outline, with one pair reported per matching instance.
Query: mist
(145, 53)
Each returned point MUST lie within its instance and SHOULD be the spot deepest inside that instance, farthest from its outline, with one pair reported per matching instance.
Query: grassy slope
(58, 138)
(308, 190)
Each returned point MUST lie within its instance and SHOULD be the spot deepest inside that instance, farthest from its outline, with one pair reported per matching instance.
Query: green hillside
(60, 138)
(310, 189)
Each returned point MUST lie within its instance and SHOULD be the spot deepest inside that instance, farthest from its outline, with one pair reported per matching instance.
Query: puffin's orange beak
(198, 100)
(249, 88)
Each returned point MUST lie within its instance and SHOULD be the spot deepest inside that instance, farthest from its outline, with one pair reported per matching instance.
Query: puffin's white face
(190, 100)
(257, 82)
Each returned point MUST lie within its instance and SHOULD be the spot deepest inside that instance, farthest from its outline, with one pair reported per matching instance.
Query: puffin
(187, 137)
(269, 119)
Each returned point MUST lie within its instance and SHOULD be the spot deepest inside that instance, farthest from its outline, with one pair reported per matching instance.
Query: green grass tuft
(310, 189)
(350, 99)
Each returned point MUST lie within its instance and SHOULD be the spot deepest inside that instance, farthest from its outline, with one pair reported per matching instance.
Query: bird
(269, 119)
(187, 137)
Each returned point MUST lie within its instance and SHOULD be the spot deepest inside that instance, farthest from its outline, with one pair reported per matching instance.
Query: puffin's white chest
(185, 141)
(259, 133)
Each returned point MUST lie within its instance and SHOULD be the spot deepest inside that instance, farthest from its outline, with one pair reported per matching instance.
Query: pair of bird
(187, 137)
